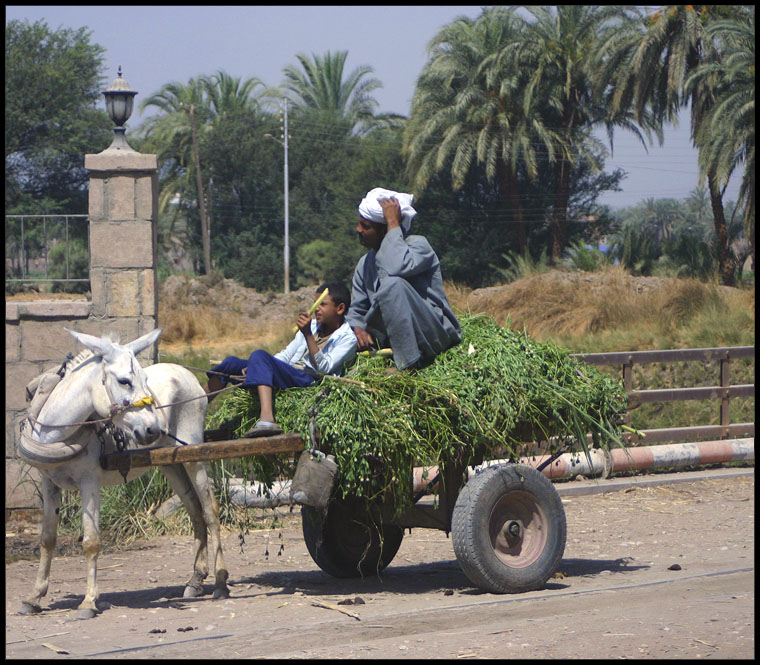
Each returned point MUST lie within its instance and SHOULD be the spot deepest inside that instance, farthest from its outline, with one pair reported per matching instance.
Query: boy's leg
(267, 373)
(230, 366)
(214, 384)
(265, 400)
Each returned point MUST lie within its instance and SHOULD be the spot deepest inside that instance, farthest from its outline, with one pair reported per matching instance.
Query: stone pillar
(123, 242)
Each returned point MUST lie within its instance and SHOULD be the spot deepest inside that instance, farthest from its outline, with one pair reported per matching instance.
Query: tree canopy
(53, 85)
(498, 150)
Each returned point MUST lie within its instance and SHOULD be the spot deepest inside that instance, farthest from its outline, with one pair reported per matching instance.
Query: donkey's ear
(145, 341)
(98, 346)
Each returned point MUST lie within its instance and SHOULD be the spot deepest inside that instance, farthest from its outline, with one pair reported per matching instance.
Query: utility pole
(284, 144)
(287, 240)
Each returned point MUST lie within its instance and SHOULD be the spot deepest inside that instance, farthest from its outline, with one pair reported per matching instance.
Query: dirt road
(654, 572)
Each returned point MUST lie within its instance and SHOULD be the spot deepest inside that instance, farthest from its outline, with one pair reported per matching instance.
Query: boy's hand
(363, 338)
(391, 211)
(304, 324)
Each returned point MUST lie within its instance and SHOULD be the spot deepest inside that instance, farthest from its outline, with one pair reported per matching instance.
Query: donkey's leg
(199, 478)
(180, 482)
(51, 503)
(91, 545)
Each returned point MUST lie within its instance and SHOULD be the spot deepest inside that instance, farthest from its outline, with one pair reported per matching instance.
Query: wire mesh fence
(47, 252)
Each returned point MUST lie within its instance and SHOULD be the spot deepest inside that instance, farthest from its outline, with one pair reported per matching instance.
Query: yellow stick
(313, 308)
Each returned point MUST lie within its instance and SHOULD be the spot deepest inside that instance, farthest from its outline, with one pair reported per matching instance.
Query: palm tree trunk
(725, 262)
(508, 192)
(201, 202)
(559, 212)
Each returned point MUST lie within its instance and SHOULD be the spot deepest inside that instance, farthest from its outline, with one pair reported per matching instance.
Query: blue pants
(263, 369)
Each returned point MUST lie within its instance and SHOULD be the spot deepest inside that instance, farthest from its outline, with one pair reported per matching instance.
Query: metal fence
(31, 249)
(723, 392)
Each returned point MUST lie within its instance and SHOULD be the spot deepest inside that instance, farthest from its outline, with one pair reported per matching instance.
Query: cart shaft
(197, 452)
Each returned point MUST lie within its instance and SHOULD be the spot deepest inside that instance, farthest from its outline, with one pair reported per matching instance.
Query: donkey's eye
(125, 382)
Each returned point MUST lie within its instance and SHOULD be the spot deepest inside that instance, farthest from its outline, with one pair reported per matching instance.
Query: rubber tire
(345, 543)
(486, 504)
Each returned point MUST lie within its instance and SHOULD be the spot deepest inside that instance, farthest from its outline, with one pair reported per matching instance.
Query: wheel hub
(513, 531)
(517, 526)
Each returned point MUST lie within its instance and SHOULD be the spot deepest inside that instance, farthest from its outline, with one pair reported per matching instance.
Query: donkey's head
(124, 395)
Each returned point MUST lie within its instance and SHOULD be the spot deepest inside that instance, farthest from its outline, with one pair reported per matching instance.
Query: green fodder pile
(495, 390)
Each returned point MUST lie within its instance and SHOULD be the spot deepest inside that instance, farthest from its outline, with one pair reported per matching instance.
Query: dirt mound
(227, 295)
(213, 311)
(578, 303)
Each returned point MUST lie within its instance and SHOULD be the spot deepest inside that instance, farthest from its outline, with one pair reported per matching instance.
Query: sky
(158, 44)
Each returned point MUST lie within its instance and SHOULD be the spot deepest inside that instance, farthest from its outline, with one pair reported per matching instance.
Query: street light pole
(287, 240)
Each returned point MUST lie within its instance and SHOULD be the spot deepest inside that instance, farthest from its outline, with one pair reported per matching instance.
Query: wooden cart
(507, 522)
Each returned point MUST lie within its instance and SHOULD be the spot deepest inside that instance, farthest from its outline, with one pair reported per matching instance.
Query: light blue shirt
(332, 358)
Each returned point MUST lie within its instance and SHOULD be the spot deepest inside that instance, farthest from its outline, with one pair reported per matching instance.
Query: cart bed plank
(270, 445)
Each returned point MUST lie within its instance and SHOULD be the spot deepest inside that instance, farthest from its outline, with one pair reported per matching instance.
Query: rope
(211, 371)
(204, 396)
(86, 422)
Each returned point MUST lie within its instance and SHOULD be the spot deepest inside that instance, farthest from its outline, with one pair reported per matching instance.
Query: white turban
(370, 207)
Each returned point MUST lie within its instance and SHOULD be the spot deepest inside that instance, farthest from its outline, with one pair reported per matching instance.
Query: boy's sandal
(263, 428)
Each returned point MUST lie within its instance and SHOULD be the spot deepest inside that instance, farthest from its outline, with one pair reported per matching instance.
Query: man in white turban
(397, 297)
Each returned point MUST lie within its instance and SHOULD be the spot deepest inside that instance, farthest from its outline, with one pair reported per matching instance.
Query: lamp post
(119, 101)
(284, 143)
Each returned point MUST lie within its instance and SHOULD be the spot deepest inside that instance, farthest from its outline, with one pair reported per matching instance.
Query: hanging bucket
(314, 479)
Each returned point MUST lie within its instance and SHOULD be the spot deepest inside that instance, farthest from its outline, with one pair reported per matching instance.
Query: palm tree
(227, 94)
(726, 138)
(169, 135)
(650, 71)
(558, 54)
(187, 111)
(466, 110)
(321, 88)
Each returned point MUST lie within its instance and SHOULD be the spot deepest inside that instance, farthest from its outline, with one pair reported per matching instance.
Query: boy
(322, 346)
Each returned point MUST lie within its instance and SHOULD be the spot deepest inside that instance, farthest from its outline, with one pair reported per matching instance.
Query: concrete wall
(123, 214)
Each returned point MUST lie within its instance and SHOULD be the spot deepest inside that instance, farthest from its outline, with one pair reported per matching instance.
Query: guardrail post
(628, 385)
(628, 375)
(724, 383)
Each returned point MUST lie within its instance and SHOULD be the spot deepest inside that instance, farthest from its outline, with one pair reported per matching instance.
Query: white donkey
(107, 384)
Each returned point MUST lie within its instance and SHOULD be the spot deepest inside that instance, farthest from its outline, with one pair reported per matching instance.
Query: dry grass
(579, 305)
(218, 332)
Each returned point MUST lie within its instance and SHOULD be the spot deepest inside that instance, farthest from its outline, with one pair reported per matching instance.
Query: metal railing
(723, 392)
(27, 261)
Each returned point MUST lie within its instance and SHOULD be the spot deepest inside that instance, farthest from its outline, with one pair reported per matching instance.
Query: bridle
(114, 408)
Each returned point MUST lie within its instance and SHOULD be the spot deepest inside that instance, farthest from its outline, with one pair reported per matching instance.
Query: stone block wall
(123, 211)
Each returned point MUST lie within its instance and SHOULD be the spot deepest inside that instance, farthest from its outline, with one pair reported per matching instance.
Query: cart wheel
(345, 542)
(509, 529)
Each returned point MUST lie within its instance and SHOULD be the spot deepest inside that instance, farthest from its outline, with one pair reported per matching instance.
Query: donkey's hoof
(221, 592)
(192, 591)
(29, 608)
(86, 613)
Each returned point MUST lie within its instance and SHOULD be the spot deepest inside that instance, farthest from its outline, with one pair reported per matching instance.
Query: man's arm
(397, 256)
(360, 305)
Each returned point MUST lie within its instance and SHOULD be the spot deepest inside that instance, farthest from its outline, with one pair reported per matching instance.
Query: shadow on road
(396, 579)
(583, 567)
(424, 578)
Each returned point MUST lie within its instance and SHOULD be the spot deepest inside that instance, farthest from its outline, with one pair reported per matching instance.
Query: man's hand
(304, 324)
(363, 338)
(391, 211)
